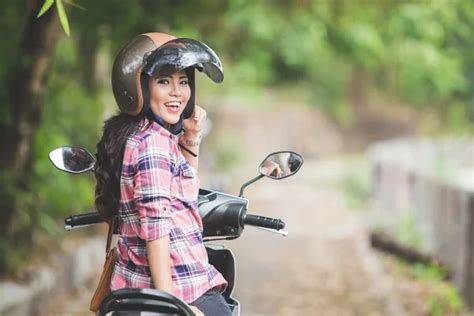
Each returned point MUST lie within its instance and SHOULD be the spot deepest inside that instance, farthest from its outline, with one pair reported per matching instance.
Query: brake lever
(282, 232)
(69, 227)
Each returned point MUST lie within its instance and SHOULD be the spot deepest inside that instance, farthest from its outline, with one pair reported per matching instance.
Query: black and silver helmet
(153, 54)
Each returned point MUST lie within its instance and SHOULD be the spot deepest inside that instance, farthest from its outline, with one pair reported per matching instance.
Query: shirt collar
(163, 131)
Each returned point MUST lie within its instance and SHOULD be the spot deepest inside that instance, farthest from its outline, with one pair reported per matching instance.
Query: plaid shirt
(158, 196)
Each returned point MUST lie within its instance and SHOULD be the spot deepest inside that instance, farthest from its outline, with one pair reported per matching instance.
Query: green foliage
(72, 117)
(427, 74)
(429, 272)
(10, 21)
(46, 6)
(442, 297)
(357, 186)
(15, 251)
(75, 5)
(406, 232)
(458, 118)
(343, 113)
(415, 51)
(61, 13)
(62, 16)
(227, 153)
(14, 256)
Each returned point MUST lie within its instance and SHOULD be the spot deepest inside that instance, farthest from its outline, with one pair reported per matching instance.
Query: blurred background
(378, 96)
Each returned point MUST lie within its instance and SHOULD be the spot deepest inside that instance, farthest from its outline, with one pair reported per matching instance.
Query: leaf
(62, 16)
(72, 3)
(47, 4)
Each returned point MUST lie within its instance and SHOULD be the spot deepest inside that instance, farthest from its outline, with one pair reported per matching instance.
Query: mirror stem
(246, 184)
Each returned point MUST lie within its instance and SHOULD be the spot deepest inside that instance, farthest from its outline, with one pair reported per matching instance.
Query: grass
(406, 232)
(438, 296)
(357, 185)
(435, 296)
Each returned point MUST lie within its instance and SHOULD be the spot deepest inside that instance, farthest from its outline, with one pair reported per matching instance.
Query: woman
(146, 170)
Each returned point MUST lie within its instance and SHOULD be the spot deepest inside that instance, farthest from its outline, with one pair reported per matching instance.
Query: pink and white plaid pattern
(159, 192)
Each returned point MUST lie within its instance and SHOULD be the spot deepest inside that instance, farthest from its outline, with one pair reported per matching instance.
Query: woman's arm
(192, 135)
(158, 253)
(191, 141)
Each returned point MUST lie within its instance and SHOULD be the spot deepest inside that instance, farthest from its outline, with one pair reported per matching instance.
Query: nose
(175, 90)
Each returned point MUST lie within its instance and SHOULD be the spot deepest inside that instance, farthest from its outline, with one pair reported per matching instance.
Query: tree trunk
(26, 89)
(88, 47)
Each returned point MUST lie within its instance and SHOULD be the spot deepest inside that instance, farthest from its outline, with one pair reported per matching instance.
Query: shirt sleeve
(152, 191)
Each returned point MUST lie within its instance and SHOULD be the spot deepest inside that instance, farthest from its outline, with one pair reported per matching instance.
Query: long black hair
(111, 147)
(110, 150)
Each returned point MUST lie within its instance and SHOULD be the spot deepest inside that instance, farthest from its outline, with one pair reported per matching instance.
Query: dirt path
(323, 267)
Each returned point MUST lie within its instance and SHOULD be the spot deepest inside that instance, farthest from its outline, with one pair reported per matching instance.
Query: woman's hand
(271, 168)
(191, 138)
(193, 125)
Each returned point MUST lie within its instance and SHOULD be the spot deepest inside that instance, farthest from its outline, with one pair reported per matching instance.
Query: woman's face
(169, 95)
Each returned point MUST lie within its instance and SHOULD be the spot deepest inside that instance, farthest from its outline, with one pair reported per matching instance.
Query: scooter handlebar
(249, 219)
(262, 221)
(82, 219)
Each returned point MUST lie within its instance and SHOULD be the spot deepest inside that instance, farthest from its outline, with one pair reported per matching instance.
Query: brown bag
(103, 288)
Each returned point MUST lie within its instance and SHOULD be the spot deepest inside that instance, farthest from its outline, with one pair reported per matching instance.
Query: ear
(189, 109)
(144, 82)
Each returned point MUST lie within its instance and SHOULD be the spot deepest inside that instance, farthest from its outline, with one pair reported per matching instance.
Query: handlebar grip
(262, 221)
(82, 219)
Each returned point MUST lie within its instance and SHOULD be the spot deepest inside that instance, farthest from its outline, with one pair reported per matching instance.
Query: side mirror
(280, 165)
(72, 159)
(277, 165)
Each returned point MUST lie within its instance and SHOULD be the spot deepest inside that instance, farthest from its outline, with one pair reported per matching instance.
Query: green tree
(25, 79)
(416, 51)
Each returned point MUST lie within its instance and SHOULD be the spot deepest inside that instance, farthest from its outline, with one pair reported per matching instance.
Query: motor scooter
(224, 217)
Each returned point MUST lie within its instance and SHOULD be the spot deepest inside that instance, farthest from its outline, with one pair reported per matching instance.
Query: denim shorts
(212, 303)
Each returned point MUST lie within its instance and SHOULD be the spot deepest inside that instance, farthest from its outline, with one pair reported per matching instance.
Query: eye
(162, 81)
(184, 82)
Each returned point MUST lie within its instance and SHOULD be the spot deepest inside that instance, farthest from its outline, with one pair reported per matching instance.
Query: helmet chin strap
(174, 129)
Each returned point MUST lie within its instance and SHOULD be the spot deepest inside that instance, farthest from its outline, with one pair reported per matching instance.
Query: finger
(200, 122)
(197, 112)
(203, 118)
(202, 115)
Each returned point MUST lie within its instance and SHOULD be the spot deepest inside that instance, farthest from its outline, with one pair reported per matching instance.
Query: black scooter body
(223, 260)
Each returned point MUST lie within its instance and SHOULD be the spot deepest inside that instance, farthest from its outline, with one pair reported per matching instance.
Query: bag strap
(109, 234)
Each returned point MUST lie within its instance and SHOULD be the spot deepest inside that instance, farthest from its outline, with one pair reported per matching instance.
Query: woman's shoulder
(148, 135)
(151, 141)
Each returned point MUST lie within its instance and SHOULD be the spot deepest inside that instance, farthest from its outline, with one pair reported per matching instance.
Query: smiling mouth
(173, 105)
